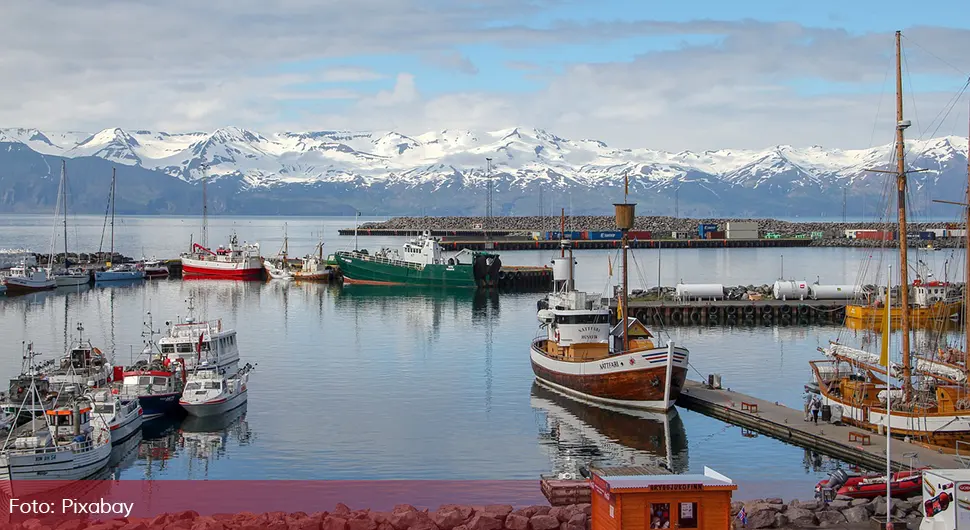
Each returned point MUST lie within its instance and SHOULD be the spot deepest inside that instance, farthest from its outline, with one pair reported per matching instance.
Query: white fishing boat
(278, 268)
(83, 367)
(72, 277)
(63, 445)
(155, 269)
(123, 416)
(117, 272)
(314, 267)
(26, 279)
(187, 341)
(208, 393)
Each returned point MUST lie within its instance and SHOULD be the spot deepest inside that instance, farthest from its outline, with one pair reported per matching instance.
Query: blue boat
(155, 381)
(119, 273)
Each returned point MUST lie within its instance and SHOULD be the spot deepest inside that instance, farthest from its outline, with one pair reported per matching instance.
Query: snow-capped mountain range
(443, 172)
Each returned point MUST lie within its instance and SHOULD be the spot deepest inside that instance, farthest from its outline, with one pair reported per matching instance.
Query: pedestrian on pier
(816, 406)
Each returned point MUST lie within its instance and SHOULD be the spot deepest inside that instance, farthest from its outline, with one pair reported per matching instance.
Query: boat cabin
(183, 342)
(109, 406)
(139, 382)
(638, 334)
(424, 250)
(625, 499)
(66, 422)
(925, 294)
(204, 382)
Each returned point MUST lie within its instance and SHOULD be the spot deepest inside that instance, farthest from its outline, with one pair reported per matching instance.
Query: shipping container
(715, 235)
(604, 236)
(939, 232)
(772, 235)
(882, 235)
(956, 233)
(742, 234)
(639, 234)
(743, 226)
(818, 235)
(574, 235)
(930, 236)
(704, 228)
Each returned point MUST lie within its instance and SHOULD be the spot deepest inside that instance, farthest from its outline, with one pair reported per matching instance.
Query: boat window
(160, 381)
(184, 347)
(582, 319)
(213, 385)
(193, 386)
(144, 380)
(104, 409)
(168, 348)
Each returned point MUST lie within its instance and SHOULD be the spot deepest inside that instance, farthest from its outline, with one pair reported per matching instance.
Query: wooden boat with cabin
(580, 354)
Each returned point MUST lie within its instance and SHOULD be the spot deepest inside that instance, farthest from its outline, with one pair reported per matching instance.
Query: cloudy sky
(694, 75)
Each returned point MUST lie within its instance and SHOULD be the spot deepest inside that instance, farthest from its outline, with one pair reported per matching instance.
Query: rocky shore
(762, 513)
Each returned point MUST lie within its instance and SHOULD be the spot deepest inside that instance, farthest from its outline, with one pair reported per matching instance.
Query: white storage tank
(791, 289)
(705, 291)
(835, 292)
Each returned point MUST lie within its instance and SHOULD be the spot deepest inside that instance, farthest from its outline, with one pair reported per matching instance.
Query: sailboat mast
(902, 239)
(64, 199)
(112, 213)
(562, 231)
(966, 272)
(205, 210)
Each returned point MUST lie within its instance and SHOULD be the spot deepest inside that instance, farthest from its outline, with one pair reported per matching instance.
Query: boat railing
(963, 453)
(387, 261)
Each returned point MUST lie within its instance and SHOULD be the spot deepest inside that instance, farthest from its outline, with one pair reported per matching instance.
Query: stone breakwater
(762, 513)
(842, 512)
(643, 222)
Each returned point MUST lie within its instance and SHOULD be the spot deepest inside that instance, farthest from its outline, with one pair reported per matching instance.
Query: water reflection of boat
(579, 433)
(205, 438)
(159, 443)
(403, 291)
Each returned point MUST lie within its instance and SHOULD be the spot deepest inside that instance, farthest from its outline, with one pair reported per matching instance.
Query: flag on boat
(609, 262)
(743, 516)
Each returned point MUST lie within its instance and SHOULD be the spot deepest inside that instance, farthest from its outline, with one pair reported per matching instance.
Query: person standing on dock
(816, 406)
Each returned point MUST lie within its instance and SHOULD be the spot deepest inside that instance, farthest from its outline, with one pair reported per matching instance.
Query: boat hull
(215, 407)
(72, 280)
(124, 430)
(17, 285)
(251, 269)
(22, 474)
(312, 276)
(117, 276)
(156, 273)
(615, 380)
(155, 405)
(918, 316)
(361, 270)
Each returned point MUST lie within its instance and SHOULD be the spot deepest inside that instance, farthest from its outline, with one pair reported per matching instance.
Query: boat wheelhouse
(189, 342)
(122, 416)
(83, 367)
(209, 393)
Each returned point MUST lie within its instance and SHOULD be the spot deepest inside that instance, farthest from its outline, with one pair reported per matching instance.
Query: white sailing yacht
(68, 276)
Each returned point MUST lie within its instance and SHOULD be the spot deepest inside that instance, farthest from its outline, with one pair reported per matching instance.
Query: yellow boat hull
(918, 316)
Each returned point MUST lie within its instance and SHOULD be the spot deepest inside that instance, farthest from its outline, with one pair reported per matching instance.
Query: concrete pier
(789, 425)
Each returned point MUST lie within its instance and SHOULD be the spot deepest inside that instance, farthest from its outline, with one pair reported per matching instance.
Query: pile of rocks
(604, 222)
(403, 517)
(843, 511)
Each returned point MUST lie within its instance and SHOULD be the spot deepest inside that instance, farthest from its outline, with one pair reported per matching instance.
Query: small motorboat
(119, 273)
(905, 484)
(155, 269)
(25, 279)
(122, 416)
(209, 393)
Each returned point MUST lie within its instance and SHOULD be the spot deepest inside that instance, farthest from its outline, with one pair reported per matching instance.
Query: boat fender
(451, 261)
(557, 335)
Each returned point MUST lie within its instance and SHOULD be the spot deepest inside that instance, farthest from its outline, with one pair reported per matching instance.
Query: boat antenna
(562, 230)
(624, 222)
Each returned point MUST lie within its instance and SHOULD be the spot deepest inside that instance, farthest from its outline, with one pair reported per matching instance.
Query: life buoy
(557, 335)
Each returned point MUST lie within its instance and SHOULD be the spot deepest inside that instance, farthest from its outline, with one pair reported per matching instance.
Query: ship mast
(64, 200)
(966, 272)
(624, 222)
(112, 214)
(902, 239)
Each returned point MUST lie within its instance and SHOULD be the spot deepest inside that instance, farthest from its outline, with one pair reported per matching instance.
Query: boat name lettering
(610, 364)
(676, 487)
(45, 458)
(590, 337)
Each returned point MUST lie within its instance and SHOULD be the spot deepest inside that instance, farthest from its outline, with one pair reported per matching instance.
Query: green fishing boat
(420, 262)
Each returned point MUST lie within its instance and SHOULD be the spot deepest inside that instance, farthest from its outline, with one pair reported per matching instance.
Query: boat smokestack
(76, 413)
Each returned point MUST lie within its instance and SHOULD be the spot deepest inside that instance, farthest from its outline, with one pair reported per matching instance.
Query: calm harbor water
(393, 383)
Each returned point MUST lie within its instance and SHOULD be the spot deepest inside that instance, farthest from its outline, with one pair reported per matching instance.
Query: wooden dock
(737, 312)
(789, 425)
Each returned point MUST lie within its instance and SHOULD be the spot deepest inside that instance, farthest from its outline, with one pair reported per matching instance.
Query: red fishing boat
(905, 484)
(235, 262)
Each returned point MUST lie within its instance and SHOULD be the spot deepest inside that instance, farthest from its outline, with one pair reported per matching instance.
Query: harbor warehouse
(624, 499)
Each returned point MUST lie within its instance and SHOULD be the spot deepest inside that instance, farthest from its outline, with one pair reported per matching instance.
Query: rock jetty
(833, 233)
(762, 513)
